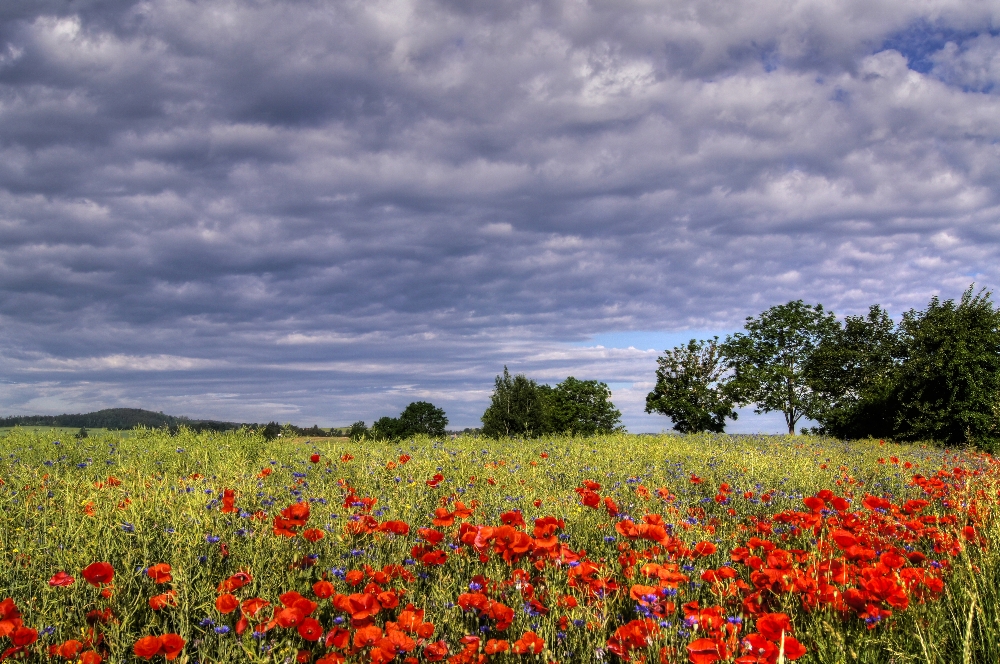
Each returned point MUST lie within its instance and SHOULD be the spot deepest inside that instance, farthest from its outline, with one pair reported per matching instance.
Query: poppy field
(751, 549)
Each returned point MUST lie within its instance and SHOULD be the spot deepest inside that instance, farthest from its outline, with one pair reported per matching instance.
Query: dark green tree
(769, 360)
(270, 431)
(387, 428)
(949, 384)
(581, 407)
(517, 408)
(689, 388)
(82, 433)
(358, 430)
(422, 417)
(855, 372)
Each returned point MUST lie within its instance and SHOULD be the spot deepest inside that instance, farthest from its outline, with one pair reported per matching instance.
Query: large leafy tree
(423, 417)
(420, 417)
(769, 360)
(581, 407)
(517, 408)
(689, 388)
(949, 384)
(387, 428)
(855, 372)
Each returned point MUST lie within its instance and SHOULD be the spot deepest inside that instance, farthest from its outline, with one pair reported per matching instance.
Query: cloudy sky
(318, 212)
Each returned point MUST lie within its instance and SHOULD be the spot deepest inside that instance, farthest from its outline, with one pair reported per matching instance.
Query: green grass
(166, 509)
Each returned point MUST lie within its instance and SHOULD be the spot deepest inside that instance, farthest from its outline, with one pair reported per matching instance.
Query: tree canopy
(854, 372)
(769, 360)
(420, 417)
(581, 407)
(949, 383)
(520, 406)
(516, 408)
(689, 388)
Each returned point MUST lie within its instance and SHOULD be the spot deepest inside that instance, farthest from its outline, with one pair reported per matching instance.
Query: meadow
(226, 548)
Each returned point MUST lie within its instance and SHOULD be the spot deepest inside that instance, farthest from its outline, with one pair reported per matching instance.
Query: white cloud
(357, 204)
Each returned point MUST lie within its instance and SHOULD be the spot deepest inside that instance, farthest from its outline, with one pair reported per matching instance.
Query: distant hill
(116, 418)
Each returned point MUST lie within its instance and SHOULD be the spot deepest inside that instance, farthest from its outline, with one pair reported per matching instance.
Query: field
(224, 548)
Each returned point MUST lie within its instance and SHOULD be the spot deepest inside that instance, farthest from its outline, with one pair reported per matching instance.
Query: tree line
(118, 419)
(935, 375)
(519, 406)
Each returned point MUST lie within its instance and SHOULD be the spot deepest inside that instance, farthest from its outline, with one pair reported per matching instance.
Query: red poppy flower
(323, 589)
(160, 573)
(435, 481)
(706, 651)
(793, 649)
(235, 582)
(435, 652)
(250, 607)
(310, 629)
(771, 625)
(288, 617)
(314, 458)
(69, 649)
(147, 647)
(158, 602)
(493, 646)
(98, 573)
(313, 534)
(90, 657)
(529, 644)
(61, 580)
(173, 644)
(226, 603)
(702, 549)
(367, 636)
(23, 636)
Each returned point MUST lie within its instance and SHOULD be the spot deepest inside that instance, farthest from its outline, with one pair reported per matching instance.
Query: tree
(689, 388)
(769, 360)
(949, 383)
(82, 433)
(516, 408)
(423, 417)
(387, 428)
(581, 407)
(270, 431)
(358, 430)
(855, 371)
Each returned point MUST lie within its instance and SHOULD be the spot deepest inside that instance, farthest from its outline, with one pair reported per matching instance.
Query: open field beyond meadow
(224, 548)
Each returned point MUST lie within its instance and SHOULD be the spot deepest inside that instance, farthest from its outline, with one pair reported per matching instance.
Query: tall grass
(166, 509)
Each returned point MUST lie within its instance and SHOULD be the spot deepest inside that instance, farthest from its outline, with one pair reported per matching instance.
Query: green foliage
(769, 361)
(855, 372)
(358, 430)
(387, 428)
(581, 407)
(422, 417)
(521, 407)
(689, 388)
(270, 431)
(949, 384)
(517, 408)
(419, 418)
(117, 419)
(82, 433)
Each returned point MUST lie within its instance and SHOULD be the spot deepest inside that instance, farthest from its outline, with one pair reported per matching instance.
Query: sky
(318, 212)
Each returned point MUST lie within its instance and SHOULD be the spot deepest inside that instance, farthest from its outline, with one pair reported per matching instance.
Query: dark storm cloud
(322, 211)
